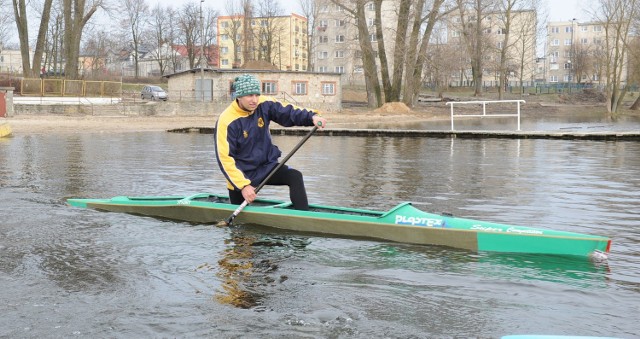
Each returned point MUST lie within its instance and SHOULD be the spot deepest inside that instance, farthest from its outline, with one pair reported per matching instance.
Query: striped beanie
(246, 84)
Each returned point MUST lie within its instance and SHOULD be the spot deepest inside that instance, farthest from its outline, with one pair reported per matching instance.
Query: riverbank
(391, 115)
(96, 124)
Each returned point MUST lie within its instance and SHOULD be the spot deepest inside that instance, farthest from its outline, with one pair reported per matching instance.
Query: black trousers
(284, 176)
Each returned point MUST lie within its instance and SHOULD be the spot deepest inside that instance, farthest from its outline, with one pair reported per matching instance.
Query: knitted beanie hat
(246, 84)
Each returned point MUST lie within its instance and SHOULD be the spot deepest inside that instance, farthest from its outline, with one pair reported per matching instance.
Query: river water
(71, 272)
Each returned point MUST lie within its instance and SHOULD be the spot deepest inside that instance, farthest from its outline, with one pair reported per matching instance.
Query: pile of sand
(393, 107)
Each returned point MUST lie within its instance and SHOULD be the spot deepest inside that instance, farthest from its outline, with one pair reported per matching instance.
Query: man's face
(249, 102)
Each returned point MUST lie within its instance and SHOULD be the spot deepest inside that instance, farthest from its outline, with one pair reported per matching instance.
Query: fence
(70, 88)
(484, 103)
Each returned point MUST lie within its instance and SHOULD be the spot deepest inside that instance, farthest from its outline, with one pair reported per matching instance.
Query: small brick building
(321, 91)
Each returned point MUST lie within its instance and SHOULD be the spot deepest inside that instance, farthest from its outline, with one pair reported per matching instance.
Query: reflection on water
(244, 274)
(77, 272)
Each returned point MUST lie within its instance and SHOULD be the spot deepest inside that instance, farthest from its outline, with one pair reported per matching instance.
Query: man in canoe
(244, 149)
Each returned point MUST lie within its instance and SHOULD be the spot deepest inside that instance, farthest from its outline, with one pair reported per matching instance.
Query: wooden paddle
(244, 204)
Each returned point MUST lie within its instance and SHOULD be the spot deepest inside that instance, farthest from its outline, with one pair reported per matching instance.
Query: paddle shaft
(244, 204)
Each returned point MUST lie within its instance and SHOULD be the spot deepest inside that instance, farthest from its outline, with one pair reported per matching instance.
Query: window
(584, 41)
(372, 38)
(269, 87)
(568, 78)
(499, 45)
(323, 39)
(224, 50)
(597, 28)
(567, 65)
(567, 42)
(584, 28)
(339, 53)
(328, 88)
(371, 22)
(568, 29)
(555, 42)
(455, 34)
(555, 30)
(225, 36)
(224, 62)
(224, 24)
(340, 23)
(322, 69)
(501, 31)
(340, 38)
(323, 23)
(371, 6)
(553, 78)
(323, 55)
(339, 69)
(300, 88)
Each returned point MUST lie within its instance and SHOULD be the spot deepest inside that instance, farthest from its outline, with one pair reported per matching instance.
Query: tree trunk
(384, 64)
(414, 81)
(374, 94)
(74, 21)
(400, 54)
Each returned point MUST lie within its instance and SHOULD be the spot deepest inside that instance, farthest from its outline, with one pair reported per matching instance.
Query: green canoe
(403, 223)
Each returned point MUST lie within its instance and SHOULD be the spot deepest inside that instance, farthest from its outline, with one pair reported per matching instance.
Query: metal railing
(484, 103)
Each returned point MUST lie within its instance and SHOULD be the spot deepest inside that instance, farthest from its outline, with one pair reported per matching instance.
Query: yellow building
(279, 40)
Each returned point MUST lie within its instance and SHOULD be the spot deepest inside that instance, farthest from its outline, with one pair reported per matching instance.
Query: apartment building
(279, 40)
(520, 52)
(335, 40)
(575, 52)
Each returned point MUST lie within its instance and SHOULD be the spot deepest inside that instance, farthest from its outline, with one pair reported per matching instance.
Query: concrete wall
(145, 109)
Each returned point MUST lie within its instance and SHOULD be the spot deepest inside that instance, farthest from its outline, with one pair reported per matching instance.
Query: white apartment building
(575, 53)
(335, 40)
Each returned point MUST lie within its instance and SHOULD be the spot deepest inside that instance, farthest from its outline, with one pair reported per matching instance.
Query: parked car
(153, 93)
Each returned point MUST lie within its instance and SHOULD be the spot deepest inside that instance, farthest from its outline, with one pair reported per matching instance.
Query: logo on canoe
(418, 221)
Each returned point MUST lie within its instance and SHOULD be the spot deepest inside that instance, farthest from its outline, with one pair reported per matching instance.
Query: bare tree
(76, 14)
(189, 24)
(634, 63)
(6, 20)
(159, 36)
(617, 17)
(134, 21)
(356, 9)
(20, 12)
(270, 32)
(582, 60)
(472, 17)
(442, 61)
(310, 9)
(95, 47)
(417, 59)
(53, 44)
(232, 29)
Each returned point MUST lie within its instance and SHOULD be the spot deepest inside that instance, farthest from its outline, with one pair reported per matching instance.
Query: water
(69, 272)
